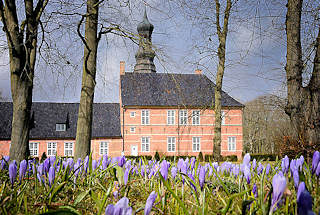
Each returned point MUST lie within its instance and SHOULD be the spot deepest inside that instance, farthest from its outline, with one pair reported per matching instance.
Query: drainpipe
(123, 110)
(178, 131)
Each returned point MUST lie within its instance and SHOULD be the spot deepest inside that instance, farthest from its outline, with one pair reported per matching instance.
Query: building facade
(169, 113)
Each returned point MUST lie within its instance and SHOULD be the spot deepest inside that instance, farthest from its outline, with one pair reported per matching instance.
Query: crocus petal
(109, 210)
(202, 175)
(315, 161)
(12, 171)
(22, 169)
(304, 200)
(246, 159)
(279, 184)
(51, 175)
(149, 204)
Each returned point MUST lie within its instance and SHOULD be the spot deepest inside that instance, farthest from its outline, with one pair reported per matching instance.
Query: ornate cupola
(145, 54)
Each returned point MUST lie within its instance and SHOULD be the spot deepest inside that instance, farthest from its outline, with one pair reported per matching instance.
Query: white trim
(52, 148)
(32, 150)
(145, 144)
(171, 117)
(171, 145)
(132, 129)
(145, 117)
(103, 148)
(195, 143)
(61, 127)
(195, 117)
(232, 143)
(68, 148)
(183, 117)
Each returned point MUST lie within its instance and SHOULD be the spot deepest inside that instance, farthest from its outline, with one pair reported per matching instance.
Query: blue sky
(255, 54)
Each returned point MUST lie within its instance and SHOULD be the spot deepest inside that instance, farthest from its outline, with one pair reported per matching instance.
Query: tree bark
(91, 40)
(222, 36)
(22, 43)
(303, 105)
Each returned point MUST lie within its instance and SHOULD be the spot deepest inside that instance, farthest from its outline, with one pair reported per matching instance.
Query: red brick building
(168, 113)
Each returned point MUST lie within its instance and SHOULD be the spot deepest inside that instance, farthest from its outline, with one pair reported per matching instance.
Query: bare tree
(222, 36)
(22, 42)
(90, 40)
(303, 105)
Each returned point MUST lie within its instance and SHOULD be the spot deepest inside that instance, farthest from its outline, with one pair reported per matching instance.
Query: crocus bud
(51, 175)
(22, 169)
(315, 161)
(12, 171)
(150, 201)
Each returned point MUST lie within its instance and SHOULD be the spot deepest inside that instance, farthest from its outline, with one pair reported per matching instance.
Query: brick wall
(114, 147)
(159, 131)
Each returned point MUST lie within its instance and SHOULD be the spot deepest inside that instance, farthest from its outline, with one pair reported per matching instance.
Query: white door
(134, 150)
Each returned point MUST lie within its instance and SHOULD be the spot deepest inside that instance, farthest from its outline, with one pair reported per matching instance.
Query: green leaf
(56, 190)
(80, 197)
(174, 195)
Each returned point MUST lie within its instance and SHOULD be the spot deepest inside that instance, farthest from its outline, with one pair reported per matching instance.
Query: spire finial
(145, 54)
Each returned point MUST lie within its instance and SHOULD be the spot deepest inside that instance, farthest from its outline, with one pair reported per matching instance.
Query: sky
(184, 39)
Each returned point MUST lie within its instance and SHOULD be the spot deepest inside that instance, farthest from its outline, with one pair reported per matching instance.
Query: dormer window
(61, 127)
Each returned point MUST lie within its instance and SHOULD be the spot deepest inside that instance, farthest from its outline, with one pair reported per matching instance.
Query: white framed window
(145, 144)
(132, 129)
(133, 114)
(195, 117)
(61, 127)
(68, 149)
(171, 144)
(103, 148)
(34, 149)
(232, 143)
(196, 144)
(51, 148)
(223, 117)
(145, 117)
(171, 117)
(183, 117)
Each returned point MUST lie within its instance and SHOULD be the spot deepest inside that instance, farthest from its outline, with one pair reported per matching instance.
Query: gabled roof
(163, 89)
(106, 120)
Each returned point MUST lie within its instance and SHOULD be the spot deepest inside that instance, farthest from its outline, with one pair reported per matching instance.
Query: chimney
(198, 71)
(122, 67)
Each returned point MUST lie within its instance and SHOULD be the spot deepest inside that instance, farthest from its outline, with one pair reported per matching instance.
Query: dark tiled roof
(163, 89)
(106, 120)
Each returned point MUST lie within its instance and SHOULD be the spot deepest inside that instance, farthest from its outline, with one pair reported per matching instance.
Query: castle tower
(145, 54)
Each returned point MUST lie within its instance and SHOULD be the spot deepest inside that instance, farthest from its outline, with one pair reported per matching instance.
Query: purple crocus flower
(149, 204)
(255, 190)
(174, 172)
(268, 167)
(85, 164)
(12, 171)
(4, 162)
(22, 169)
(51, 175)
(315, 161)
(247, 174)
(120, 208)
(254, 164)
(202, 175)
(46, 165)
(304, 200)
(164, 169)
(285, 164)
(126, 176)
(296, 178)
(279, 184)
(52, 160)
(94, 165)
(260, 168)
(121, 161)
(318, 170)
(246, 159)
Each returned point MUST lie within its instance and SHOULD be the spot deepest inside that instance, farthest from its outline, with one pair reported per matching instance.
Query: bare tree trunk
(303, 105)
(91, 40)
(22, 43)
(222, 36)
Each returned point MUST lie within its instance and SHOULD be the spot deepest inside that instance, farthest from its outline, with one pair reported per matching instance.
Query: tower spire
(145, 54)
